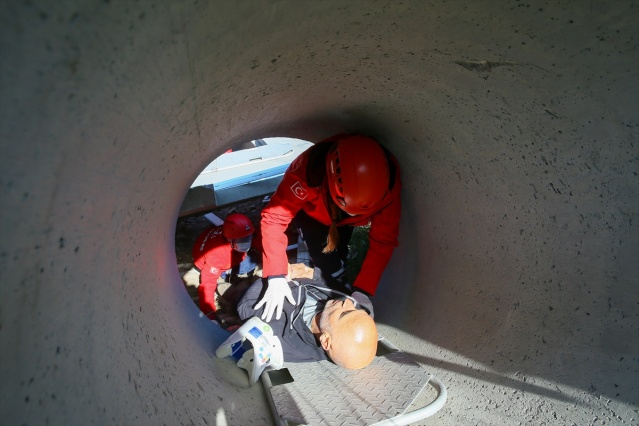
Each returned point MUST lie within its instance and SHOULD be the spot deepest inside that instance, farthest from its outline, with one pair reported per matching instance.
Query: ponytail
(333, 235)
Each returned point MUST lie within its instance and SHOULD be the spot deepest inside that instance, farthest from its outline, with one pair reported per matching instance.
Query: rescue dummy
(325, 325)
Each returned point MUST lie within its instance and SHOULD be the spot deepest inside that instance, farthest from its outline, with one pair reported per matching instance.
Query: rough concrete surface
(516, 125)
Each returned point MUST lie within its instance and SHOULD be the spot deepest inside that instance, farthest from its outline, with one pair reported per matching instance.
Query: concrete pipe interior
(516, 127)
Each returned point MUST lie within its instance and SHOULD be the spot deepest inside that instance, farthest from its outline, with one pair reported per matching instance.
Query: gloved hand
(276, 290)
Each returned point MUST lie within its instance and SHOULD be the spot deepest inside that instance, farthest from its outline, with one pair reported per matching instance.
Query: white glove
(276, 290)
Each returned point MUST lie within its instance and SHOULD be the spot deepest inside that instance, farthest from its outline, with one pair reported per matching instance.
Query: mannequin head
(348, 335)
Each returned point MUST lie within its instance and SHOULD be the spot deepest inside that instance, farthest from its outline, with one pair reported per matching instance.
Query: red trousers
(206, 292)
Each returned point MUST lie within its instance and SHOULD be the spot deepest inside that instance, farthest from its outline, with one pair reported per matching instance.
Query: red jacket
(294, 194)
(212, 253)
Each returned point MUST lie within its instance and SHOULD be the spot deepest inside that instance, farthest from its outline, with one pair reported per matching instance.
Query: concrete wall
(516, 278)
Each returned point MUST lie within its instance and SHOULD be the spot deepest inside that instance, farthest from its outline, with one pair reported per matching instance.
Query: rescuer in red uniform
(222, 251)
(341, 182)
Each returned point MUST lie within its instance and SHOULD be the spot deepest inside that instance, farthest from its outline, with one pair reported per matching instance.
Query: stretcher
(321, 393)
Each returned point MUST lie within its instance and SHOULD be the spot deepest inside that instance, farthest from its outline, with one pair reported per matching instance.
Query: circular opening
(239, 181)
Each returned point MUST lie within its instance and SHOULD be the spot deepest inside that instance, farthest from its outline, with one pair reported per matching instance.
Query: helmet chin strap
(328, 198)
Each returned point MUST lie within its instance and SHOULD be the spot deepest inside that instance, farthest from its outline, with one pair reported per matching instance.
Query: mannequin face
(335, 314)
(349, 335)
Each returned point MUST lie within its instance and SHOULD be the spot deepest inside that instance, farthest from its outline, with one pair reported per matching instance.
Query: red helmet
(236, 225)
(357, 173)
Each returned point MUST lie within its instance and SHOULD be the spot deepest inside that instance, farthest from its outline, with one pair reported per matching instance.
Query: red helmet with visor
(238, 230)
(357, 174)
(237, 225)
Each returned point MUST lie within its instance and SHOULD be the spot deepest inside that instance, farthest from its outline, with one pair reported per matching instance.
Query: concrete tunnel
(516, 125)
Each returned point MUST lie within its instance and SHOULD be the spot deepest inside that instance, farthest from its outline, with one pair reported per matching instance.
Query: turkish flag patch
(299, 191)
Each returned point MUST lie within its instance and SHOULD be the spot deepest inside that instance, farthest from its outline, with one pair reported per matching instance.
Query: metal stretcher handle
(402, 419)
(421, 413)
